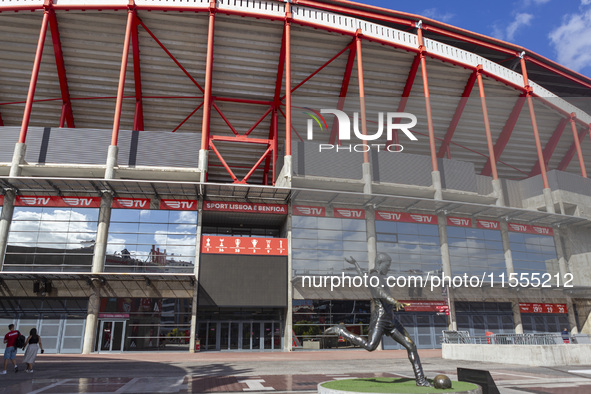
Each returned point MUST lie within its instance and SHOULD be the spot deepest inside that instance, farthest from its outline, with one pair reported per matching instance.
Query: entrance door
(240, 335)
(111, 335)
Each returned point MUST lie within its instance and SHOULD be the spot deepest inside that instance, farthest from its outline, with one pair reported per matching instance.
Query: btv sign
(344, 127)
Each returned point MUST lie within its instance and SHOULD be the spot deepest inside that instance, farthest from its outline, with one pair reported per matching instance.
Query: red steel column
(427, 99)
(34, 76)
(361, 95)
(123, 70)
(288, 81)
(489, 143)
(530, 103)
(208, 80)
(573, 126)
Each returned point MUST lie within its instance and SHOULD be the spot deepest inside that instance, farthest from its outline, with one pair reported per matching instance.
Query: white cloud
(60, 229)
(435, 14)
(572, 39)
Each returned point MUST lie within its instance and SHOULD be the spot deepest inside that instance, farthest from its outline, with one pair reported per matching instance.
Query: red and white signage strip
(459, 222)
(349, 213)
(529, 229)
(529, 307)
(213, 244)
(305, 210)
(57, 201)
(425, 306)
(244, 207)
(406, 217)
(488, 224)
(178, 205)
(131, 203)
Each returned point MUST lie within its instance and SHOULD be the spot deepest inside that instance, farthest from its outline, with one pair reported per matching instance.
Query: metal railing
(464, 337)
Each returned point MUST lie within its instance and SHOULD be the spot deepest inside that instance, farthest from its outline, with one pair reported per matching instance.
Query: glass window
(51, 239)
(475, 251)
(412, 246)
(533, 253)
(320, 245)
(143, 240)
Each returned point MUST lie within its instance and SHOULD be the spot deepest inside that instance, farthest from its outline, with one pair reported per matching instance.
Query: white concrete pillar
(548, 200)
(90, 330)
(564, 270)
(203, 164)
(446, 267)
(436, 177)
(498, 192)
(102, 233)
(288, 329)
(111, 162)
(18, 158)
(195, 304)
(5, 220)
(517, 322)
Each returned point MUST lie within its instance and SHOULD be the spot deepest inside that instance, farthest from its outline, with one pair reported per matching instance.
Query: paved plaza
(238, 372)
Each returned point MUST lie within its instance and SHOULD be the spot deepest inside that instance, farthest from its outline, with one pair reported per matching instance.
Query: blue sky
(559, 30)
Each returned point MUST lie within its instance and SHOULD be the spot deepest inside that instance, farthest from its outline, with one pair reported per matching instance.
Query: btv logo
(344, 125)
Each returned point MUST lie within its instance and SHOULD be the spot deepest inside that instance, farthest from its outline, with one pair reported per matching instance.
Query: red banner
(406, 217)
(459, 222)
(529, 307)
(1, 200)
(488, 224)
(348, 213)
(131, 203)
(244, 207)
(425, 306)
(529, 229)
(57, 201)
(214, 244)
(179, 205)
(302, 210)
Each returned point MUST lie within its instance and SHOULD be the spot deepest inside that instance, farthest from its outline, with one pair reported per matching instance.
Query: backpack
(20, 341)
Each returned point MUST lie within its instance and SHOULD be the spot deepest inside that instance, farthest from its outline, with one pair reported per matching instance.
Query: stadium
(176, 174)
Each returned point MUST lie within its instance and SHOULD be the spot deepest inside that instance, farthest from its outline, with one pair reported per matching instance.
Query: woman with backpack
(33, 345)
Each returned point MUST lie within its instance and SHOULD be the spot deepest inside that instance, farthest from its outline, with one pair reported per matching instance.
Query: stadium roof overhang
(224, 68)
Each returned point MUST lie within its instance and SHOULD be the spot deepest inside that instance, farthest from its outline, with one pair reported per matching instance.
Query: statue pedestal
(391, 385)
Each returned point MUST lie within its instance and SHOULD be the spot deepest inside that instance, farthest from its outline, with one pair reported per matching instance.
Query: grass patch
(392, 385)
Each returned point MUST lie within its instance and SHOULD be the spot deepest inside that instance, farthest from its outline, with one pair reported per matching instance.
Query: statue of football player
(383, 321)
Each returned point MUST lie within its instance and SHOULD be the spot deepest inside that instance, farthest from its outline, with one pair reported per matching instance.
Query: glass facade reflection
(142, 240)
(51, 239)
(320, 245)
(533, 253)
(413, 247)
(475, 251)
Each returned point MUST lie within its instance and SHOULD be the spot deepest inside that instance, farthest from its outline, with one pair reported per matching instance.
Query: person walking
(10, 352)
(33, 345)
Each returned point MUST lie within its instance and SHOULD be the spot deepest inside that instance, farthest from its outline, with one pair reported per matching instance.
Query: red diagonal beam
(219, 111)
(259, 121)
(332, 59)
(444, 148)
(67, 115)
(187, 118)
(258, 163)
(344, 89)
(571, 152)
(410, 80)
(138, 119)
(226, 166)
(550, 146)
(169, 54)
(505, 134)
(573, 117)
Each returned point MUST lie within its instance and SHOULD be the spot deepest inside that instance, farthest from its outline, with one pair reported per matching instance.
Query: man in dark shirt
(10, 352)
